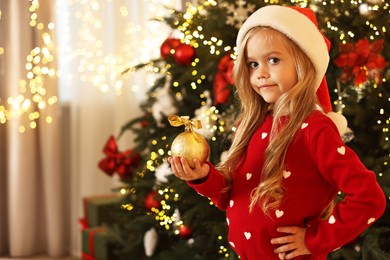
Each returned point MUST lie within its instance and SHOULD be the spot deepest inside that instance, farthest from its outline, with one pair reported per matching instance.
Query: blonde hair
(298, 102)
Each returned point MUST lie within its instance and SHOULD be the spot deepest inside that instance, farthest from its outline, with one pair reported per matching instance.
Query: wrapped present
(100, 210)
(96, 244)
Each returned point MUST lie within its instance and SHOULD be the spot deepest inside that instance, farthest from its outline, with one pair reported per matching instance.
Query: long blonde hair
(298, 102)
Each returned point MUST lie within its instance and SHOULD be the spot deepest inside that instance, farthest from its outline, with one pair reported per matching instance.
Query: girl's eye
(273, 60)
(253, 64)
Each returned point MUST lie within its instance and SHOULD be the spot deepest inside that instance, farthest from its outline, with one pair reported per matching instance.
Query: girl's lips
(265, 86)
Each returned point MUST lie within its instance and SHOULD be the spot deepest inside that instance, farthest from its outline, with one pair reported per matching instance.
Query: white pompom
(224, 154)
(339, 120)
(150, 241)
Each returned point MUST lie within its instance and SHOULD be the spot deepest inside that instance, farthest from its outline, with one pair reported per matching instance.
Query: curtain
(32, 192)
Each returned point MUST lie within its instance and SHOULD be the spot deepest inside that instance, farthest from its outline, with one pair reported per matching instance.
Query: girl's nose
(262, 73)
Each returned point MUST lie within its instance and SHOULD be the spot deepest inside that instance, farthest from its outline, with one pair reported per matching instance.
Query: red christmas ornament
(144, 123)
(184, 231)
(150, 201)
(168, 47)
(184, 54)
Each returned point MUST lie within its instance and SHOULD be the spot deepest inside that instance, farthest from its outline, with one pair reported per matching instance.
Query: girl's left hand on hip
(292, 244)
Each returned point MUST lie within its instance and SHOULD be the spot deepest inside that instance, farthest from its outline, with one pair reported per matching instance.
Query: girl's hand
(182, 170)
(292, 245)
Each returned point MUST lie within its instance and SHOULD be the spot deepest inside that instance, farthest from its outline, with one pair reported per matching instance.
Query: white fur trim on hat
(296, 26)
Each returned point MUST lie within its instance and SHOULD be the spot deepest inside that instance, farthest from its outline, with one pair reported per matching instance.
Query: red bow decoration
(362, 60)
(116, 161)
(222, 79)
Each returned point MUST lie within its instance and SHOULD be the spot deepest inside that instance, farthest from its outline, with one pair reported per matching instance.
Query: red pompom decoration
(184, 231)
(151, 201)
(168, 47)
(184, 54)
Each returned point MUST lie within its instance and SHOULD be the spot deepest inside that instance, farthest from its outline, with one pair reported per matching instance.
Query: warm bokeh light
(33, 95)
(96, 65)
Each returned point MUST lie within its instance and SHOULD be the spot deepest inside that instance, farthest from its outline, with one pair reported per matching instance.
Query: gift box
(96, 244)
(100, 210)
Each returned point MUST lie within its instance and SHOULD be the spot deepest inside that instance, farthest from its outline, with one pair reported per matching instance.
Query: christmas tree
(161, 217)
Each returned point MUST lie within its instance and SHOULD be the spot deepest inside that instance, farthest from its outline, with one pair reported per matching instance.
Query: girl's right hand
(182, 170)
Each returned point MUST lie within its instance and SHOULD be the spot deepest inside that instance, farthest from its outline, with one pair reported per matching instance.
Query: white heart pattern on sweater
(279, 213)
(332, 220)
(341, 150)
(286, 174)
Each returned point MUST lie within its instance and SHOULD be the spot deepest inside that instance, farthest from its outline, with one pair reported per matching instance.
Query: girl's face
(271, 66)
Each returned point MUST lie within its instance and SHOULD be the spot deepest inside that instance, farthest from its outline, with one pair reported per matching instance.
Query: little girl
(287, 161)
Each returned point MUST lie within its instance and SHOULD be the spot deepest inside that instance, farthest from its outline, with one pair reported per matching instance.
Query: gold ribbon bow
(186, 121)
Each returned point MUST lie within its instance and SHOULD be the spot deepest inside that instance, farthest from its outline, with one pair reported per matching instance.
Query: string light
(167, 220)
(102, 68)
(33, 97)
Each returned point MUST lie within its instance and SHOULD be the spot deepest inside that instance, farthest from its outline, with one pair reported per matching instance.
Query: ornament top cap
(186, 121)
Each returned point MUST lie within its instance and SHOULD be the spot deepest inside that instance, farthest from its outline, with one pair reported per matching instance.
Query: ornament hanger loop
(186, 121)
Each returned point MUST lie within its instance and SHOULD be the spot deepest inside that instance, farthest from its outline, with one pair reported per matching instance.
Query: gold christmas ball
(190, 145)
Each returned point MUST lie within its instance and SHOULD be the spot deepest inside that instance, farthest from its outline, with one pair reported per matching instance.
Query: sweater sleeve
(214, 187)
(364, 200)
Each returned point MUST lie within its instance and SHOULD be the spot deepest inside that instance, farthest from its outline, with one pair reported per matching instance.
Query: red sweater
(318, 165)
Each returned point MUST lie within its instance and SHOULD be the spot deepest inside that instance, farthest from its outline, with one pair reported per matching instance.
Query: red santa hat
(299, 25)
